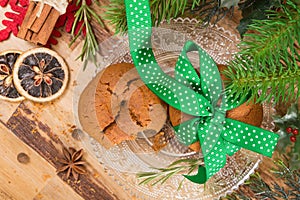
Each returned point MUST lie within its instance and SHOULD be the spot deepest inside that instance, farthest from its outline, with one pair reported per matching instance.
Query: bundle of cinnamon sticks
(38, 23)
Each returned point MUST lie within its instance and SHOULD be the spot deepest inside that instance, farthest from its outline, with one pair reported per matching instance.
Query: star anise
(72, 163)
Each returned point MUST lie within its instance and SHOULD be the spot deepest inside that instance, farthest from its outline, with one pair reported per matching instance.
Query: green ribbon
(194, 94)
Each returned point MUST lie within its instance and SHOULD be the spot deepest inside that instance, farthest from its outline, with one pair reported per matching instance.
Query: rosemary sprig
(85, 14)
(161, 175)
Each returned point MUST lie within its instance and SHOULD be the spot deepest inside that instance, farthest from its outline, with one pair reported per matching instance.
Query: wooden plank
(7, 109)
(26, 125)
(5, 196)
(45, 134)
(19, 179)
(62, 191)
(45, 128)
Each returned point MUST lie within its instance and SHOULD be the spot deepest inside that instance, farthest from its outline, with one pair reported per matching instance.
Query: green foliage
(263, 190)
(160, 10)
(267, 64)
(85, 13)
(254, 10)
(167, 9)
(161, 175)
(291, 119)
(211, 12)
(116, 15)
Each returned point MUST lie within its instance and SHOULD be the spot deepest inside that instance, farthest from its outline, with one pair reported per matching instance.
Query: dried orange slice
(40, 75)
(7, 87)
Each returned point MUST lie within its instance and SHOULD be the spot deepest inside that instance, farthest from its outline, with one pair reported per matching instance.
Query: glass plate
(123, 161)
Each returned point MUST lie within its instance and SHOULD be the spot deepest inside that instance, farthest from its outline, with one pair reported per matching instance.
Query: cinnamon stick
(23, 30)
(34, 38)
(38, 23)
(33, 16)
(38, 29)
(47, 28)
(28, 35)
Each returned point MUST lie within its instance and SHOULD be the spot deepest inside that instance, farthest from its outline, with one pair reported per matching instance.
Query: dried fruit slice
(40, 75)
(7, 87)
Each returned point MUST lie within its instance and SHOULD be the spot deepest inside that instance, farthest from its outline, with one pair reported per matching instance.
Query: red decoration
(15, 18)
(289, 129)
(19, 8)
(295, 131)
(3, 3)
(293, 138)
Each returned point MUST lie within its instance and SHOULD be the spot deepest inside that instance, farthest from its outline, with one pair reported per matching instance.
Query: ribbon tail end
(199, 178)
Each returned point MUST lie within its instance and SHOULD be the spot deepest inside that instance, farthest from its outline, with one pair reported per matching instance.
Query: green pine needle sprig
(160, 10)
(116, 15)
(90, 46)
(267, 64)
(263, 190)
(164, 10)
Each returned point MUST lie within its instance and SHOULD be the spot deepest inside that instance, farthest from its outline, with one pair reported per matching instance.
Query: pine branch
(161, 10)
(116, 15)
(252, 9)
(267, 65)
(85, 14)
(262, 190)
(212, 11)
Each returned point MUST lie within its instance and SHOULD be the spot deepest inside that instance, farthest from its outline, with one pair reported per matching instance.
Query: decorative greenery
(211, 12)
(160, 10)
(85, 13)
(267, 65)
(254, 10)
(167, 9)
(285, 146)
(161, 175)
(263, 190)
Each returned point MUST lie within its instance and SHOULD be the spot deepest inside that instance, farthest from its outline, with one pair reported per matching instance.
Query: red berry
(289, 129)
(295, 131)
(293, 138)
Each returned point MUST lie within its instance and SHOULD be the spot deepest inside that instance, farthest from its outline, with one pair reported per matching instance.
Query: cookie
(124, 105)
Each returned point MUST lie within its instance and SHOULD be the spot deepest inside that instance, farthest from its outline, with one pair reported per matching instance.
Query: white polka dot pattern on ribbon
(250, 137)
(195, 95)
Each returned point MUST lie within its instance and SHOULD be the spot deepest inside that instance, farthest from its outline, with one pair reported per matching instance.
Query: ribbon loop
(199, 96)
(187, 132)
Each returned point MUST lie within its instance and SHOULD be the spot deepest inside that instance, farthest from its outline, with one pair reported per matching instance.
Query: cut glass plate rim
(120, 177)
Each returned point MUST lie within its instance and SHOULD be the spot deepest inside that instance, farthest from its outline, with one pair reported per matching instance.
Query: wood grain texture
(41, 130)
(39, 136)
(61, 191)
(17, 180)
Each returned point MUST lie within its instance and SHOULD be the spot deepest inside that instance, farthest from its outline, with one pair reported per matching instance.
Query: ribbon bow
(195, 95)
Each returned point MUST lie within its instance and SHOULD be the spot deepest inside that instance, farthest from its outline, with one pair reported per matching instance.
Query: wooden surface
(41, 130)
